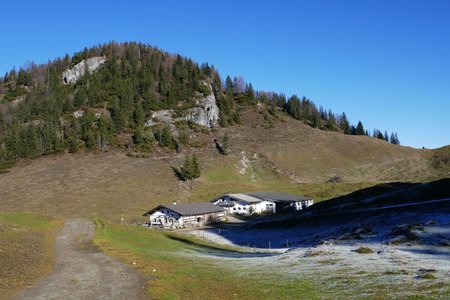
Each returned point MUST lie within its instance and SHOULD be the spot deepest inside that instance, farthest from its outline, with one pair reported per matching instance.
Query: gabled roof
(190, 209)
(244, 198)
(279, 196)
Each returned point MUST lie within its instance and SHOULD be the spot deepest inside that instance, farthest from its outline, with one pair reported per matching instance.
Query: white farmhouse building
(185, 215)
(243, 204)
(285, 202)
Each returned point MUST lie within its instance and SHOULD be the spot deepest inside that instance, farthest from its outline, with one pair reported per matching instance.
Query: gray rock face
(160, 116)
(206, 113)
(72, 75)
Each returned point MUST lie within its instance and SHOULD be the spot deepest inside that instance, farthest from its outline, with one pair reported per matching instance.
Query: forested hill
(42, 112)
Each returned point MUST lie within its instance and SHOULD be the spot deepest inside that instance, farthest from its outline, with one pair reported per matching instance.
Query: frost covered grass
(353, 260)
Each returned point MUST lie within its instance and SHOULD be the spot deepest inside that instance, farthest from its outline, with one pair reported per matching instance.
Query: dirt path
(84, 272)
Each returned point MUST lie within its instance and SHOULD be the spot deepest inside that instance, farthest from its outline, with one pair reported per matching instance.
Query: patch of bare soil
(84, 272)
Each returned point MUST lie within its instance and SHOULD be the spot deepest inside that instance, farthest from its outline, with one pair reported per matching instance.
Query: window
(244, 208)
(234, 208)
(239, 208)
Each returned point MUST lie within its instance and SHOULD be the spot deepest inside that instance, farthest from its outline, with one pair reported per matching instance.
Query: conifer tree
(394, 139)
(195, 167)
(344, 124)
(138, 114)
(317, 121)
(331, 121)
(360, 129)
(250, 92)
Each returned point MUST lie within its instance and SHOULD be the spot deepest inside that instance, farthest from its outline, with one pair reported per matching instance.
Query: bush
(427, 276)
(364, 250)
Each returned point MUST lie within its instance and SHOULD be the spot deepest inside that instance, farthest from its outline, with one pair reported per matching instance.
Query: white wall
(243, 208)
(240, 208)
(159, 216)
(308, 203)
(264, 206)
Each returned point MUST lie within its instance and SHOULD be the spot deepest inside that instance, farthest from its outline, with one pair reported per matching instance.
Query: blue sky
(386, 63)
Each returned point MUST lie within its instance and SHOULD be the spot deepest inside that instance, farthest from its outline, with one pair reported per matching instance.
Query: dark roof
(190, 209)
(279, 196)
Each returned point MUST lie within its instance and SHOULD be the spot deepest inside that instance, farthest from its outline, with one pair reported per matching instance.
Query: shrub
(364, 250)
(427, 276)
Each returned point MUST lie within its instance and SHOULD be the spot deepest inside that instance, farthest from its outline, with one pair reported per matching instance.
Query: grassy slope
(286, 156)
(312, 155)
(290, 156)
(26, 249)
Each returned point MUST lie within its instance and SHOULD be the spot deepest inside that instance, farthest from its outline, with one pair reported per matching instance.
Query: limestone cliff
(205, 113)
(72, 75)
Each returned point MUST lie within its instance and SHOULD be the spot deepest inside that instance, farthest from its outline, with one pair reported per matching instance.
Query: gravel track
(82, 271)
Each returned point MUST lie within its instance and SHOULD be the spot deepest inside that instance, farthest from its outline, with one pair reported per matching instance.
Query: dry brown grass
(86, 185)
(26, 250)
(292, 157)
(312, 155)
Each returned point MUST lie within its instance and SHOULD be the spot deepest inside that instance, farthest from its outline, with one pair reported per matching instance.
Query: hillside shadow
(393, 193)
(370, 223)
(210, 249)
(435, 251)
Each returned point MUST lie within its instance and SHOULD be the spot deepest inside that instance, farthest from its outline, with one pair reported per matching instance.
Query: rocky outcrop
(205, 113)
(72, 75)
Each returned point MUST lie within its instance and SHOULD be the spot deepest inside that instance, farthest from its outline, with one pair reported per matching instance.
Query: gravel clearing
(83, 272)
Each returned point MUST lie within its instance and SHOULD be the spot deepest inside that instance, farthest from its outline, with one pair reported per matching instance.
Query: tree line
(112, 104)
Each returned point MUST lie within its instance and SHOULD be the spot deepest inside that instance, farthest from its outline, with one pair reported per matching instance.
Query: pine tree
(195, 167)
(331, 121)
(316, 120)
(394, 139)
(360, 129)
(165, 138)
(138, 137)
(138, 114)
(228, 83)
(22, 77)
(250, 92)
(344, 124)
(190, 169)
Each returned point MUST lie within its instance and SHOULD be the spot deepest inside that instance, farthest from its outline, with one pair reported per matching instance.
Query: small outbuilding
(184, 215)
